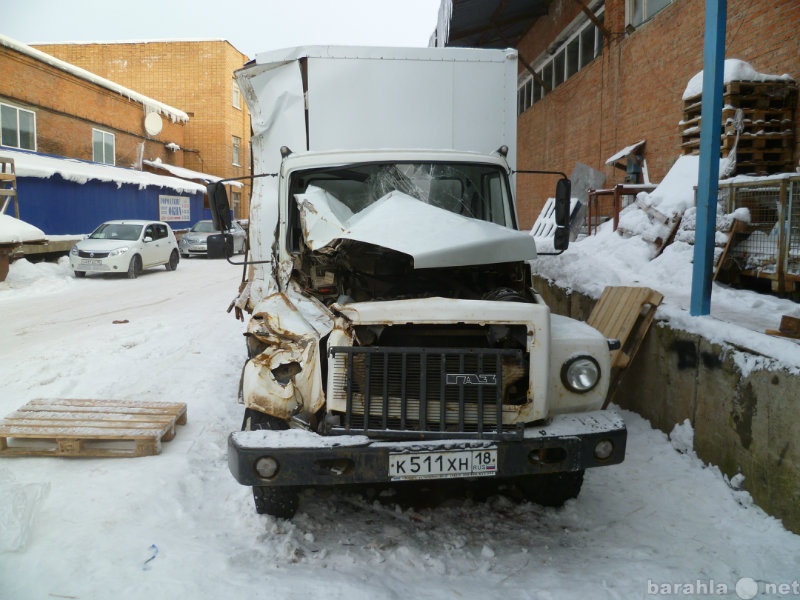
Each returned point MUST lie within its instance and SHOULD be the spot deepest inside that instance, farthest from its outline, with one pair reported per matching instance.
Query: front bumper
(108, 264)
(193, 248)
(565, 443)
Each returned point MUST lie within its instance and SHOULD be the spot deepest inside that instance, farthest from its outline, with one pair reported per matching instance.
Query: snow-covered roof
(624, 152)
(131, 41)
(174, 114)
(735, 70)
(185, 173)
(29, 164)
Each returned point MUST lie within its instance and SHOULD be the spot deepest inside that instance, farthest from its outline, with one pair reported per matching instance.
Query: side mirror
(563, 200)
(219, 245)
(220, 207)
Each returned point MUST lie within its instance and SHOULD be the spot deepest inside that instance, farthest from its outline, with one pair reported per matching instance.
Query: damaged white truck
(395, 337)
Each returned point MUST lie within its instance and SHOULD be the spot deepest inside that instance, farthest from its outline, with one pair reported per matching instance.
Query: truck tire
(551, 489)
(280, 502)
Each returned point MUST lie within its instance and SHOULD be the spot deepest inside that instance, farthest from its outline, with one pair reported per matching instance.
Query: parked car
(195, 241)
(125, 246)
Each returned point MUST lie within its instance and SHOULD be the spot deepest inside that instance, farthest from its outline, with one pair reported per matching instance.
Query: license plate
(91, 261)
(443, 464)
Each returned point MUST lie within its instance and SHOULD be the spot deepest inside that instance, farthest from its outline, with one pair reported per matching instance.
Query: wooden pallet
(755, 95)
(625, 314)
(89, 428)
(781, 143)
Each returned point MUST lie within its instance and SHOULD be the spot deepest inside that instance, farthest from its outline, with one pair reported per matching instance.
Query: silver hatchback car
(125, 246)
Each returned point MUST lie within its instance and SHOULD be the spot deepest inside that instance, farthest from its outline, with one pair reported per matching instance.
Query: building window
(564, 60)
(236, 96)
(237, 150)
(103, 147)
(640, 11)
(18, 127)
(236, 202)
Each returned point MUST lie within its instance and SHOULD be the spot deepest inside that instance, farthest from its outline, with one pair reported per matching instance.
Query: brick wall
(634, 90)
(68, 107)
(195, 76)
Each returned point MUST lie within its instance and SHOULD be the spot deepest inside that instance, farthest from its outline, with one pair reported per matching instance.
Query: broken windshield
(478, 191)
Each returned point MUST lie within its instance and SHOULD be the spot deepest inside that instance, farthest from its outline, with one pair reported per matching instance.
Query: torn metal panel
(276, 100)
(284, 378)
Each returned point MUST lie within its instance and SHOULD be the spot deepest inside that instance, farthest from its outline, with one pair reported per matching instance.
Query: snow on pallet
(89, 428)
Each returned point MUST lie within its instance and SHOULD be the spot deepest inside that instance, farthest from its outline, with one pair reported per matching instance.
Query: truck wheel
(551, 489)
(280, 502)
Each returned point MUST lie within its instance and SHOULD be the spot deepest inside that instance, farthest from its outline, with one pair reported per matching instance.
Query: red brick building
(51, 107)
(616, 77)
(197, 76)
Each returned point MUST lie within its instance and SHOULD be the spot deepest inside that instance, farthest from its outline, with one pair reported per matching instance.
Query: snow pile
(14, 231)
(735, 70)
(38, 278)
(682, 437)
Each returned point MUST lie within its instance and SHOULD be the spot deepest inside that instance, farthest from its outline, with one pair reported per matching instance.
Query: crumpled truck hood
(433, 237)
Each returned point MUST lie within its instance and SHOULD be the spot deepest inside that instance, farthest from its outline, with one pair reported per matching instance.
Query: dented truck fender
(283, 376)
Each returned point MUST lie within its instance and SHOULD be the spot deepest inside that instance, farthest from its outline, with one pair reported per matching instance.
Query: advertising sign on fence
(173, 208)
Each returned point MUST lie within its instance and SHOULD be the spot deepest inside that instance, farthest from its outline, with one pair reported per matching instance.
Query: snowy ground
(177, 525)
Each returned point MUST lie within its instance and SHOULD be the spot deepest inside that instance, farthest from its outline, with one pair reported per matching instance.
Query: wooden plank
(89, 428)
(736, 227)
(625, 313)
(789, 327)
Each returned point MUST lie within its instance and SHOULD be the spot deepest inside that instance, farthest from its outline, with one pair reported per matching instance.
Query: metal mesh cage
(769, 245)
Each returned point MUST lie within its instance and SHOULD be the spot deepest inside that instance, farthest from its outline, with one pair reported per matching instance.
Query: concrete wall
(745, 423)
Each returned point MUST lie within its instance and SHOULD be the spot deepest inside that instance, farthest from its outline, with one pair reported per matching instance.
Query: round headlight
(580, 374)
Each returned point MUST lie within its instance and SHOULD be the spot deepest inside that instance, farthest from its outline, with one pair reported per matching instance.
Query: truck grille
(425, 393)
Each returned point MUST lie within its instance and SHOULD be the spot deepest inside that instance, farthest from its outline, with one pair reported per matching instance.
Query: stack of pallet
(758, 124)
